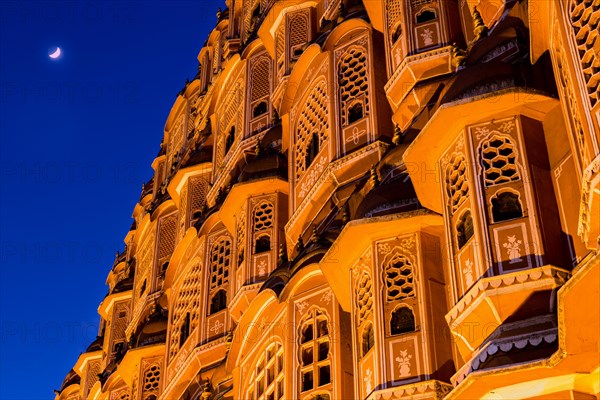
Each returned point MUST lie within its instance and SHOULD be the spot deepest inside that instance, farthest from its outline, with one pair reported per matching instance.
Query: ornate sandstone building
(377, 199)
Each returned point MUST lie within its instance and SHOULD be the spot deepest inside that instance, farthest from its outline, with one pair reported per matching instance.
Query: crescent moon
(56, 53)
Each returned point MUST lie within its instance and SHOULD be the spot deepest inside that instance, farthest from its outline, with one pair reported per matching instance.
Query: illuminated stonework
(367, 200)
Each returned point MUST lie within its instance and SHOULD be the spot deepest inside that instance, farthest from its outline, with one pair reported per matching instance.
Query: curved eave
(183, 246)
(181, 177)
(240, 192)
(106, 306)
(422, 156)
(84, 358)
(302, 73)
(275, 17)
(357, 236)
(132, 359)
(376, 13)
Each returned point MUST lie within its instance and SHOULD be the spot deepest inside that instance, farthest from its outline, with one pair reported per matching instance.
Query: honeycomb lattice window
(394, 18)
(457, 185)
(263, 216)
(315, 364)
(166, 244)
(364, 297)
(498, 159)
(151, 381)
(399, 278)
(298, 34)
(354, 84)
(187, 302)
(585, 20)
(241, 238)
(267, 379)
(313, 120)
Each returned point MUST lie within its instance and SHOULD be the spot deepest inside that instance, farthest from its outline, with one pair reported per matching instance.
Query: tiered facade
(378, 199)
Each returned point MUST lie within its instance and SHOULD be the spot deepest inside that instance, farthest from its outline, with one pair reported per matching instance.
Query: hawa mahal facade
(395, 199)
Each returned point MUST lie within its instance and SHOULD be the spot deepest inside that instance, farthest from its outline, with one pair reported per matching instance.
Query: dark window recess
(262, 244)
(143, 288)
(355, 112)
(397, 33)
(464, 229)
(402, 321)
(312, 150)
(229, 140)
(241, 257)
(324, 375)
(307, 381)
(218, 301)
(426, 16)
(368, 339)
(506, 206)
(259, 109)
(164, 267)
(184, 333)
(307, 334)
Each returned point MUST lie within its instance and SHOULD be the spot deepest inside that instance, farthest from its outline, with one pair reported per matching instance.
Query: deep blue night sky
(78, 137)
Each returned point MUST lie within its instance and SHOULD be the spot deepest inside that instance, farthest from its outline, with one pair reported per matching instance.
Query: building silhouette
(368, 200)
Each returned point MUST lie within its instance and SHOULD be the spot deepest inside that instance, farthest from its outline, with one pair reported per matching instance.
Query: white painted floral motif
(513, 248)
(302, 306)
(481, 132)
(217, 326)
(355, 135)
(427, 36)
(327, 296)
(468, 271)
(508, 126)
(384, 248)
(408, 243)
(368, 380)
(311, 176)
(404, 363)
(262, 267)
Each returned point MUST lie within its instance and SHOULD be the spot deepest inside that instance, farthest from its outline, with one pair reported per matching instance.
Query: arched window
(298, 34)
(267, 378)
(353, 81)
(506, 206)
(263, 244)
(218, 301)
(402, 321)
(315, 363)
(425, 15)
(260, 85)
(220, 261)
(259, 109)
(399, 278)
(498, 160)
(312, 121)
(396, 33)
(367, 340)
(464, 229)
(394, 18)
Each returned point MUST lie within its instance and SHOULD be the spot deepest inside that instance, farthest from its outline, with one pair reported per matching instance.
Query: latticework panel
(229, 117)
(399, 278)
(91, 376)
(267, 379)
(313, 347)
(120, 320)
(394, 13)
(198, 190)
(187, 301)
(144, 268)
(216, 54)
(241, 235)
(364, 297)
(280, 51)
(585, 19)
(457, 184)
(166, 245)
(262, 216)
(220, 261)
(121, 394)
(151, 382)
(176, 140)
(260, 77)
(249, 10)
(353, 82)
(498, 159)
(183, 212)
(298, 28)
(312, 120)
